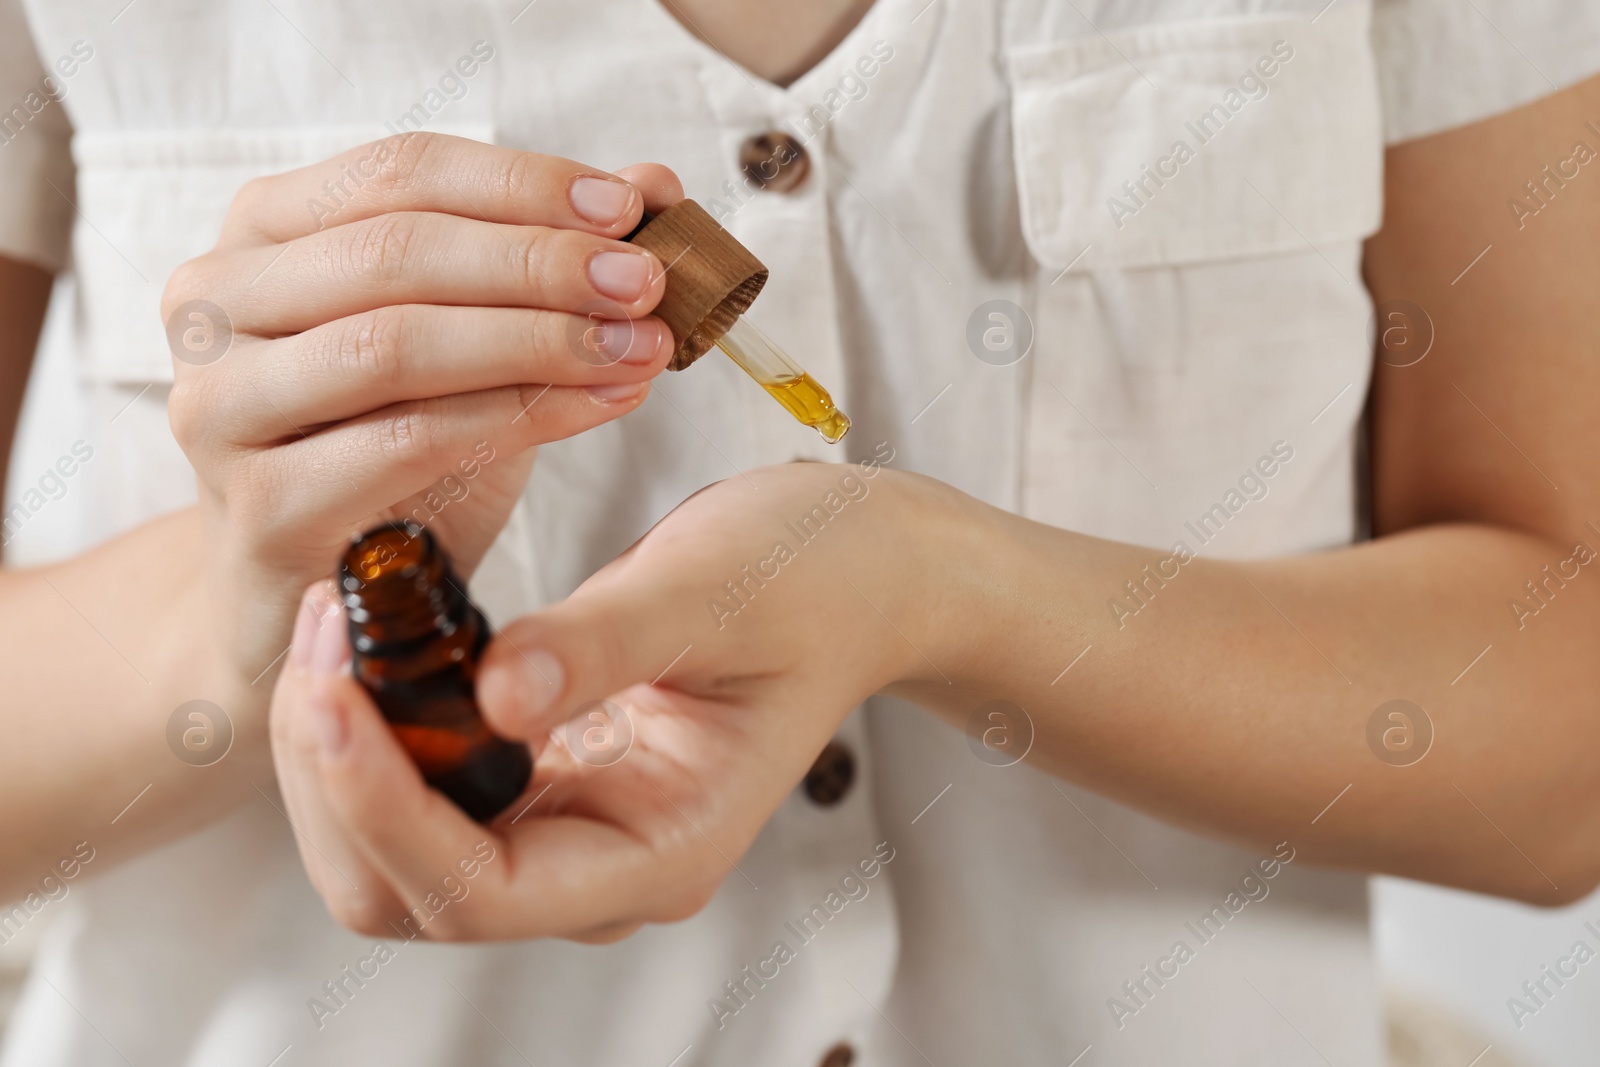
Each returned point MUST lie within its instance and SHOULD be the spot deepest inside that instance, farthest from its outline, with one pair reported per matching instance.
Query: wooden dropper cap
(711, 278)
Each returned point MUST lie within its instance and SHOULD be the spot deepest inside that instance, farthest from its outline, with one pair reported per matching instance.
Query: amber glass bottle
(415, 641)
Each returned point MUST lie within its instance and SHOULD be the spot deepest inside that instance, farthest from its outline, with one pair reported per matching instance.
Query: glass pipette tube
(790, 386)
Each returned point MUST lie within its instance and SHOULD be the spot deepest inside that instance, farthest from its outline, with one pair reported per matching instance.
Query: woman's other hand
(673, 701)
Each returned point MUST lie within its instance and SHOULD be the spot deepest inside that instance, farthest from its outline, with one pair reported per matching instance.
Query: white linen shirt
(1183, 326)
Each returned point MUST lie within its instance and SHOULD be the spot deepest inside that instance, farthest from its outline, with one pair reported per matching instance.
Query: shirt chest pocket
(1194, 194)
(151, 199)
(1190, 141)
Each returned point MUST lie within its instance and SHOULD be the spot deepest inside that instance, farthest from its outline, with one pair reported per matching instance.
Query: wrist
(942, 552)
(200, 652)
(994, 599)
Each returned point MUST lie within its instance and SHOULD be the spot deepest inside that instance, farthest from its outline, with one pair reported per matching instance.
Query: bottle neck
(399, 590)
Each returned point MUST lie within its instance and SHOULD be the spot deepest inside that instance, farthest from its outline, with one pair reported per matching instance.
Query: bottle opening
(396, 584)
(388, 551)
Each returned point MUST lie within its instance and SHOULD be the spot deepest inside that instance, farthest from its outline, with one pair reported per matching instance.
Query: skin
(773, 40)
(445, 306)
(24, 295)
(1219, 717)
(1237, 705)
(303, 432)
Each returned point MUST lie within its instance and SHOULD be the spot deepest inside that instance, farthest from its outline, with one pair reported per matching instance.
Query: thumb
(659, 184)
(544, 668)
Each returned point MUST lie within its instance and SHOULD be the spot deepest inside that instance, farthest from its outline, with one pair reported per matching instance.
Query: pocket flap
(150, 200)
(1196, 140)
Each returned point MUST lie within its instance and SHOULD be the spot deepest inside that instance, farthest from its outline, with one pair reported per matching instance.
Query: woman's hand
(388, 334)
(729, 643)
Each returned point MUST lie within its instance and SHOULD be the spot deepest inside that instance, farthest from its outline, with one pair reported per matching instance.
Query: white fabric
(1302, 141)
(1448, 63)
(1214, 323)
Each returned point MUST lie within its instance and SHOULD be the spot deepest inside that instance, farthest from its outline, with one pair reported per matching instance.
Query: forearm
(24, 296)
(1234, 698)
(99, 651)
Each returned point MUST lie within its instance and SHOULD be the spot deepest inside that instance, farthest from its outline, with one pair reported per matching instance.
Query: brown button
(830, 777)
(840, 1055)
(774, 161)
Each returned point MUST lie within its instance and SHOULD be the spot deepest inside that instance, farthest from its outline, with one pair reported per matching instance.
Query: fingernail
(305, 632)
(620, 275)
(542, 679)
(614, 393)
(600, 200)
(629, 341)
(331, 646)
(328, 722)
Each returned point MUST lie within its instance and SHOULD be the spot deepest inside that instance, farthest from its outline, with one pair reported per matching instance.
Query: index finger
(432, 172)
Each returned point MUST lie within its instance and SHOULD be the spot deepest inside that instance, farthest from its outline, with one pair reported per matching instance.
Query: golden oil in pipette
(797, 391)
(811, 404)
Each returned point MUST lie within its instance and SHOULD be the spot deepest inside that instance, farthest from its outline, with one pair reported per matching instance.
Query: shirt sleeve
(36, 174)
(1446, 63)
